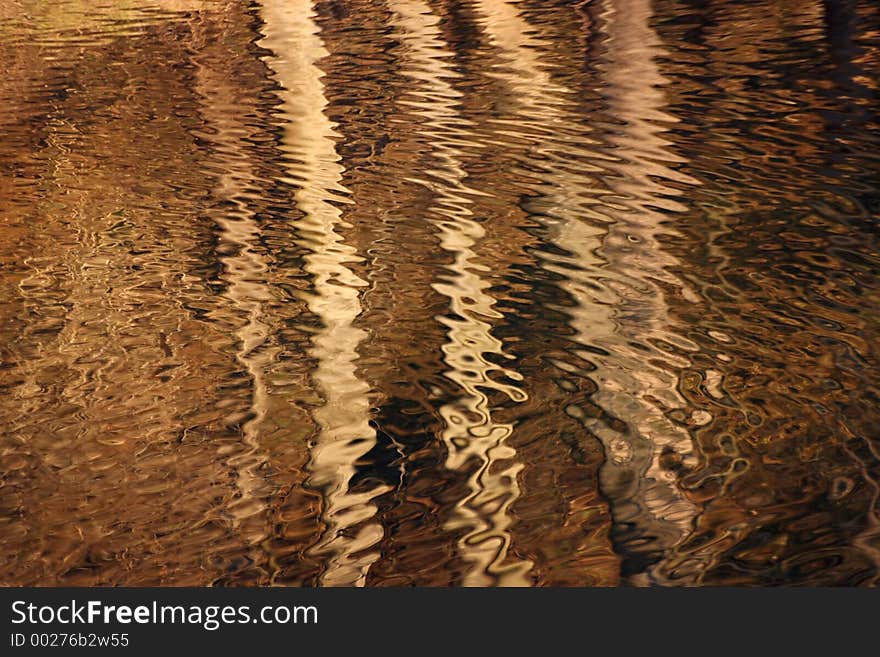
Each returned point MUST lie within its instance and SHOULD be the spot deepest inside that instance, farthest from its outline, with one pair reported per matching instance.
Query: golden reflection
(564, 195)
(246, 287)
(470, 432)
(345, 436)
(620, 232)
(631, 385)
(612, 238)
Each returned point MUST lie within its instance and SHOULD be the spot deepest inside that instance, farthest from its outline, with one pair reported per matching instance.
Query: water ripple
(422, 292)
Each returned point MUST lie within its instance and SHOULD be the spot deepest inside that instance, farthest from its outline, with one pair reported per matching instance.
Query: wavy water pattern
(439, 293)
(604, 218)
(345, 434)
(470, 431)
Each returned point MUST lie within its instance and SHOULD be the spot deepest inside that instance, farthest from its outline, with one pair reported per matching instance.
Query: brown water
(396, 292)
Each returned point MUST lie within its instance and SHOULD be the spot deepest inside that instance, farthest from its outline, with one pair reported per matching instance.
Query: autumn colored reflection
(430, 292)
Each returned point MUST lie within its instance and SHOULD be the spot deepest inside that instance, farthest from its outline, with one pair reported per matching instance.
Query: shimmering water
(439, 292)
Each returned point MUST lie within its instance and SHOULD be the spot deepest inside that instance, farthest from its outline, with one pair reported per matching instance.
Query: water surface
(439, 292)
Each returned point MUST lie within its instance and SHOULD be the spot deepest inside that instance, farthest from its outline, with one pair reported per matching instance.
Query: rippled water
(432, 292)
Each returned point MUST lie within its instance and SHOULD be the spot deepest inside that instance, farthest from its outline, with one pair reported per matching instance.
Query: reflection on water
(470, 432)
(617, 254)
(345, 434)
(492, 292)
